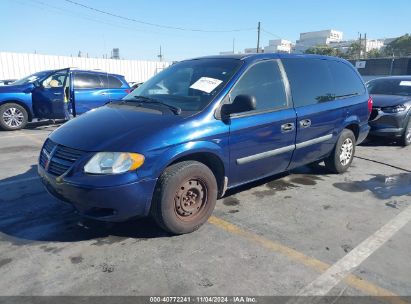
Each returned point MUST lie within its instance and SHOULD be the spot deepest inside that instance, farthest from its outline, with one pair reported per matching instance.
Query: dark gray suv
(391, 113)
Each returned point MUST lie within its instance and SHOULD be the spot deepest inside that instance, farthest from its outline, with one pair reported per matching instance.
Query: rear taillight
(370, 102)
(128, 91)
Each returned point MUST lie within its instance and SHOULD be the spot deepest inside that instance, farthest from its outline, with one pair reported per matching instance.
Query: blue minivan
(57, 94)
(174, 145)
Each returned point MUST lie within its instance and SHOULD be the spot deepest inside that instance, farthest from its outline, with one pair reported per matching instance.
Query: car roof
(95, 72)
(398, 77)
(261, 56)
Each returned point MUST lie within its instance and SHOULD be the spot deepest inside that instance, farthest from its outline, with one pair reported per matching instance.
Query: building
(311, 39)
(278, 46)
(252, 50)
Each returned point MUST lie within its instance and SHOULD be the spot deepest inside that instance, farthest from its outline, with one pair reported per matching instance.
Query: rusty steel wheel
(185, 197)
(190, 199)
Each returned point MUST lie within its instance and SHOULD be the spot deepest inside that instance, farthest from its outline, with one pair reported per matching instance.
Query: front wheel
(13, 117)
(185, 197)
(342, 156)
(406, 138)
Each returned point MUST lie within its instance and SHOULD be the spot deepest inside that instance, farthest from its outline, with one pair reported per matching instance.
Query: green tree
(374, 53)
(399, 47)
(323, 50)
(355, 50)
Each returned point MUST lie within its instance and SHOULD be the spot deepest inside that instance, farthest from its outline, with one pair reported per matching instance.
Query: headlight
(394, 109)
(113, 163)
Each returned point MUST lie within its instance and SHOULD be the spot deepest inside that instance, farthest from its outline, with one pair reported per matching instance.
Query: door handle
(305, 123)
(103, 93)
(287, 127)
(56, 93)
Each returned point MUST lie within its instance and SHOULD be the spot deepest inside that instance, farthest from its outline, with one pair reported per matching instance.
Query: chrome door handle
(103, 93)
(287, 127)
(305, 123)
(56, 93)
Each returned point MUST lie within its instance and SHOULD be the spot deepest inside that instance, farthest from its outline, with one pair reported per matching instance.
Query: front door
(50, 98)
(261, 141)
(89, 92)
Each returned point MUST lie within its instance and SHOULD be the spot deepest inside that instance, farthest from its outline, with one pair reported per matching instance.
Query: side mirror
(240, 104)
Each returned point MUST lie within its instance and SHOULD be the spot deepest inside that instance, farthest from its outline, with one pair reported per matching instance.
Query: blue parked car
(57, 94)
(179, 141)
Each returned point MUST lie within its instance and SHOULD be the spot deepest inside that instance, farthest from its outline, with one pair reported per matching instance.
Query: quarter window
(346, 81)
(310, 79)
(263, 81)
(111, 82)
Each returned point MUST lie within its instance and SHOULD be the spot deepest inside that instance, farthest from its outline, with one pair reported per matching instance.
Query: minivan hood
(381, 101)
(114, 127)
(24, 88)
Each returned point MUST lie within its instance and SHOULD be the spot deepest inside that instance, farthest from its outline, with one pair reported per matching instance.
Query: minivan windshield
(188, 85)
(401, 87)
(31, 78)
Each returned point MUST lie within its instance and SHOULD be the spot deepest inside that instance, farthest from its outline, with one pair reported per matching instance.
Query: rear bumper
(112, 204)
(363, 133)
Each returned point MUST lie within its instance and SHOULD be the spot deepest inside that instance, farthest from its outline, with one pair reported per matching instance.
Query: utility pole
(365, 47)
(233, 45)
(160, 56)
(360, 48)
(258, 36)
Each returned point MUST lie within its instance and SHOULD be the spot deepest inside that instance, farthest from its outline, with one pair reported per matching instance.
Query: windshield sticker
(405, 83)
(206, 84)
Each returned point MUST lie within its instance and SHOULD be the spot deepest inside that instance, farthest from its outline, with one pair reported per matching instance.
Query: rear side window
(87, 81)
(346, 81)
(263, 81)
(310, 79)
(111, 82)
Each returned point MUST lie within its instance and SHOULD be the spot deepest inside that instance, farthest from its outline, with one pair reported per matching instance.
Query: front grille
(374, 113)
(57, 159)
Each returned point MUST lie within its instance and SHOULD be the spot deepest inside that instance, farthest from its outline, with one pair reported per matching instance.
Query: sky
(63, 28)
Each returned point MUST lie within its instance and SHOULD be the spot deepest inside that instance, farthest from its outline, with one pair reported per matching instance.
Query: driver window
(263, 81)
(56, 80)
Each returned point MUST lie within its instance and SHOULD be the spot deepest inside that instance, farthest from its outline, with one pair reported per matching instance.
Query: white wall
(18, 65)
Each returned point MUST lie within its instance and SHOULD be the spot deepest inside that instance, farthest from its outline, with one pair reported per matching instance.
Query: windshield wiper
(145, 99)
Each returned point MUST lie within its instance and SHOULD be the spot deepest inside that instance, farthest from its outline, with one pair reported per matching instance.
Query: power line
(155, 24)
(272, 34)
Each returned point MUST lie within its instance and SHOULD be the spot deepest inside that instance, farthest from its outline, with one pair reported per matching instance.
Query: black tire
(173, 201)
(334, 162)
(406, 137)
(19, 119)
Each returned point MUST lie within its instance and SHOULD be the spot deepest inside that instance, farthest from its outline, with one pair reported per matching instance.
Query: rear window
(111, 82)
(318, 80)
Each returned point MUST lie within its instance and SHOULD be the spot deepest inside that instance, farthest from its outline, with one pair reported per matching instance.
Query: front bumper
(387, 124)
(110, 203)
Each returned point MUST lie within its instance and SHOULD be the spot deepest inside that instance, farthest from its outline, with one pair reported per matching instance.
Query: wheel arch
(20, 103)
(207, 153)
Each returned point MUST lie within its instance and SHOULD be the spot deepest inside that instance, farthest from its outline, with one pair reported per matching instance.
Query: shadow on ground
(28, 213)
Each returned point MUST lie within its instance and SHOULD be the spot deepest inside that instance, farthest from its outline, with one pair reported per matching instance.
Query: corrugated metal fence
(18, 65)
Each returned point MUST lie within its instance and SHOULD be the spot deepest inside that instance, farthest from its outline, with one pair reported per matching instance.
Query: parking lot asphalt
(307, 232)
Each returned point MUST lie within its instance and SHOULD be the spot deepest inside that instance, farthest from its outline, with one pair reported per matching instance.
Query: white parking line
(27, 179)
(337, 272)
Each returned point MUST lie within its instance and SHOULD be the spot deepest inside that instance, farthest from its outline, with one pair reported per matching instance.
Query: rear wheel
(185, 197)
(406, 138)
(342, 156)
(13, 117)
